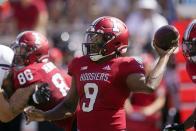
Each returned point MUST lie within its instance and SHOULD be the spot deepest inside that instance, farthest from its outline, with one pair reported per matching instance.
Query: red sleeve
(126, 67)
(131, 66)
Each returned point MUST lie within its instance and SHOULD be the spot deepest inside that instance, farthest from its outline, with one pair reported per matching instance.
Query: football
(166, 36)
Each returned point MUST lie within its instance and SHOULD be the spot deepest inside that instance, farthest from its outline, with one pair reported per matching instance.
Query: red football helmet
(189, 42)
(105, 36)
(30, 47)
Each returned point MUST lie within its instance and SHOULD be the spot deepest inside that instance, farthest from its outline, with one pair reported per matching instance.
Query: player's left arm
(35, 94)
(12, 102)
(67, 107)
(63, 110)
(20, 99)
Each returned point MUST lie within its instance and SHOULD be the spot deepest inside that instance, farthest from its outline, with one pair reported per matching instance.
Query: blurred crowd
(64, 21)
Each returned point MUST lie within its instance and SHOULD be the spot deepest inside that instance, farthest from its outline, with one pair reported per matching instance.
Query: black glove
(174, 127)
(41, 95)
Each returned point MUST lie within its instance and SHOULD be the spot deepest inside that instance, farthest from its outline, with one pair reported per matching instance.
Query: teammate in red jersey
(13, 104)
(102, 80)
(32, 65)
(189, 52)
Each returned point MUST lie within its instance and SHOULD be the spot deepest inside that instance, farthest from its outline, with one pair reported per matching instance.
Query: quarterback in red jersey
(189, 52)
(31, 65)
(102, 79)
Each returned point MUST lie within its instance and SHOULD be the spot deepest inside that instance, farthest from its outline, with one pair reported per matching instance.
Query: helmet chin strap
(98, 57)
(118, 52)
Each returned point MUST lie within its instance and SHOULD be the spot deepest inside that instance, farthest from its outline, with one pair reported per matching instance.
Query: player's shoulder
(80, 59)
(129, 63)
(132, 60)
(35, 66)
(5, 48)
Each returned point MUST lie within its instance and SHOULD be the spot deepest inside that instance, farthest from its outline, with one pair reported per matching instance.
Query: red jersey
(102, 92)
(59, 85)
(191, 70)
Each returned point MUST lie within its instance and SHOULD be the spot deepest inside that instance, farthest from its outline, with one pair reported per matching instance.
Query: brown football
(166, 36)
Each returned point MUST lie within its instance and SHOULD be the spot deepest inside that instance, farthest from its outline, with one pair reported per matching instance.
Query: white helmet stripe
(19, 36)
(97, 20)
(188, 30)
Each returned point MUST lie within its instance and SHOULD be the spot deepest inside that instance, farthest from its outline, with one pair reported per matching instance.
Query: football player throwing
(102, 79)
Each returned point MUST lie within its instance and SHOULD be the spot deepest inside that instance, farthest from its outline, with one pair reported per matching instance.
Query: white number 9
(91, 96)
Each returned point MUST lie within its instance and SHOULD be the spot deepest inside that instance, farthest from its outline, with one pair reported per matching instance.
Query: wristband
(33, 99)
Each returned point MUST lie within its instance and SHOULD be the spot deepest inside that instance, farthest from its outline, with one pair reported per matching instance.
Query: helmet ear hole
(108, 36)
(104, 50)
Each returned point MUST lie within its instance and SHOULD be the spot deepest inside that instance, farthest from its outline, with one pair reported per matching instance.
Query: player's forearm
(57, 114)
(6, 114)
(61, 111)
(67, 107)
(155, 77)
(20, 99)
(190, 120)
